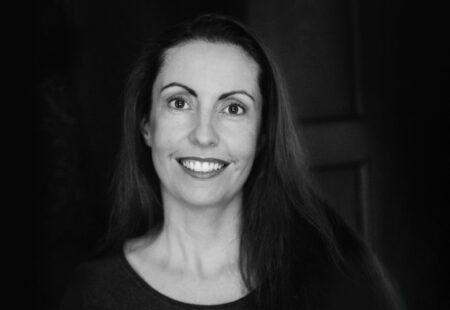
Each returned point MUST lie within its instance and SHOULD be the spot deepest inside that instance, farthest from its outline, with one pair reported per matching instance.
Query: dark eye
(235, 109)
(178, 103)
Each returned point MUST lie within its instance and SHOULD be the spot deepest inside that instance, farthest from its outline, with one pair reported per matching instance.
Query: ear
(146, 131)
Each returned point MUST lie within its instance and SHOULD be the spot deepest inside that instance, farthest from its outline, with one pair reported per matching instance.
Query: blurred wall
(364, 79)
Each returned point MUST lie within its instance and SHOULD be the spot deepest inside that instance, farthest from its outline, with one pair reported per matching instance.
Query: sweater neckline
(130, 270)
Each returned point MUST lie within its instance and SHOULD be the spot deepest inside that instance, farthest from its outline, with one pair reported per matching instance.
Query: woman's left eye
(234, 109)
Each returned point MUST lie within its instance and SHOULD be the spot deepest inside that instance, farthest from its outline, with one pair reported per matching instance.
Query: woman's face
(204, 123)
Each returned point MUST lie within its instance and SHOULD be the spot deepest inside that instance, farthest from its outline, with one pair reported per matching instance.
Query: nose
(204, 134)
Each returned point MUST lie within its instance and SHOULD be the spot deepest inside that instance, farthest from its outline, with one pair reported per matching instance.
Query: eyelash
(239, 105)
(171, 102)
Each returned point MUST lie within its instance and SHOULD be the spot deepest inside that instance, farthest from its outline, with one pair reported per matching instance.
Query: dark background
(371, 68)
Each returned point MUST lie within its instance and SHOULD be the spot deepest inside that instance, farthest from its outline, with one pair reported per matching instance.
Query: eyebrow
(237, 92)
(190, 90)
(193, 93)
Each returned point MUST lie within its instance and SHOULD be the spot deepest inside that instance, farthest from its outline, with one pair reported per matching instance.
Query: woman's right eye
(178, 103)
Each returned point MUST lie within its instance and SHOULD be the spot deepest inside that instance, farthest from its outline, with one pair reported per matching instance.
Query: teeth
(205, 166)
(198, 166)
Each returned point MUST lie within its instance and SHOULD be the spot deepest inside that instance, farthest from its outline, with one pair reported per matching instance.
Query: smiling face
(204, 123)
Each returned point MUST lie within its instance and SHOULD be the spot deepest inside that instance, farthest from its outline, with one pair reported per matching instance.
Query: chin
(209, 199)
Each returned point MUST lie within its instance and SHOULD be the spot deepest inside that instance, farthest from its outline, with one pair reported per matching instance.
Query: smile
(202, 167)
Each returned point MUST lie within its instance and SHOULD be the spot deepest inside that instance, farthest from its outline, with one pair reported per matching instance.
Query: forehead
(204, 64)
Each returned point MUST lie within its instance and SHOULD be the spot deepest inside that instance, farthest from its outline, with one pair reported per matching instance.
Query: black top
(111, 283)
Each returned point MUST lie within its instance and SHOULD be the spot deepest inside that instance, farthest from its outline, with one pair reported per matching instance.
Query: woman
(213, 206)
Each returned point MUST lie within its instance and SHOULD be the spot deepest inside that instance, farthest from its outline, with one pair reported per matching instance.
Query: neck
(200, 240)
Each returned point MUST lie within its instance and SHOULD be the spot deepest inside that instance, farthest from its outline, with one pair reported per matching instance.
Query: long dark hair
(286, 229)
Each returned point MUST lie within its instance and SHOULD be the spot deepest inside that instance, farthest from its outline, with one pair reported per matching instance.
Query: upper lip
(203, 159)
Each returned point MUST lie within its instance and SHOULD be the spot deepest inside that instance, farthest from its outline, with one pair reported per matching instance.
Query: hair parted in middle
(283, 220)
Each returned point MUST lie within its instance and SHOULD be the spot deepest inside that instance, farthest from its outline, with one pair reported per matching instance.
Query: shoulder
(359, 277)
(347, 277)
(356, 291)
(101, 282)
(97, 272)
(326, 284)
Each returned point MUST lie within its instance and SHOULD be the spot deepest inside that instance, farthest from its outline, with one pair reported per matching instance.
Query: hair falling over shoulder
(290, 239)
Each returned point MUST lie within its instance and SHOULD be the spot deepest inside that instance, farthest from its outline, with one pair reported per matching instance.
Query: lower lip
(203, 175)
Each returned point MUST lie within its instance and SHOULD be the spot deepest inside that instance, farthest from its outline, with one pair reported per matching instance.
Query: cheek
(242, 140)
(167, 133)
(165, 142)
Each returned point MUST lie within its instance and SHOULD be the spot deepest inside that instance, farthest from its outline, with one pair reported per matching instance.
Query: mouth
(202, 167)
